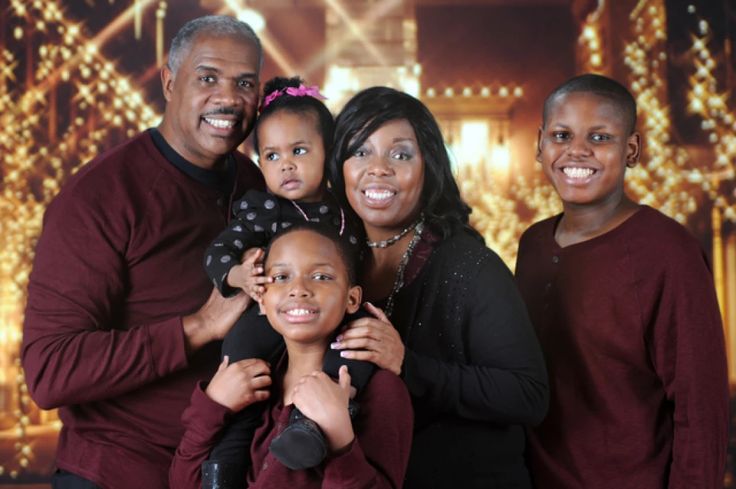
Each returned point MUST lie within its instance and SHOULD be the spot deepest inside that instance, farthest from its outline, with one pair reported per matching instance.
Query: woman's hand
(240, 384)
(248, 275)
(372, 339)
(325, 402)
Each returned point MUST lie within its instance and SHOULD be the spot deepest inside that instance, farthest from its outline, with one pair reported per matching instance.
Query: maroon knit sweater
(631, 331)
(118, 264)
(376, 459)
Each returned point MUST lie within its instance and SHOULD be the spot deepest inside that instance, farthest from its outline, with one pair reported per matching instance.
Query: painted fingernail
(335, 345)
(345, 354)
(338, 339)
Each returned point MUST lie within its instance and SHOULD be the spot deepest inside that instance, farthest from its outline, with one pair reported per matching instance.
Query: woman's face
(384, 178)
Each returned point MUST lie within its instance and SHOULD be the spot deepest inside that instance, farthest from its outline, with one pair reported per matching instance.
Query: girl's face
(292, 155)
(311, 291)
(384, 178)
(585, 147)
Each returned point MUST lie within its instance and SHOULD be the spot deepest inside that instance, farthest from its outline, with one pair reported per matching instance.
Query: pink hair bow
(300, 91)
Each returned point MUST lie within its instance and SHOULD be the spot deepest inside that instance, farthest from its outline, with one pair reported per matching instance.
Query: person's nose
(287, 164)
(380, 166)
(227, 95)
(300, 288)
(579, 147)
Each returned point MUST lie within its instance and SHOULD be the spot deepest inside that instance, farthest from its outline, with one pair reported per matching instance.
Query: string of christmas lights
(660, 181)
(718, 120)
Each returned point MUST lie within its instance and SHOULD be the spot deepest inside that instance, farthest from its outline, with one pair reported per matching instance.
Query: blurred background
(77, 77)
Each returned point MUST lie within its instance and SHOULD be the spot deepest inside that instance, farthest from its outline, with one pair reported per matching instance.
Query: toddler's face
(292, 155)
(311, 291)
(585, 147)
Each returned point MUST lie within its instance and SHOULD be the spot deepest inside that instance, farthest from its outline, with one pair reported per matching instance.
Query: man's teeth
(219, 123)
(299, 312)
(574, 172)
(379, 194)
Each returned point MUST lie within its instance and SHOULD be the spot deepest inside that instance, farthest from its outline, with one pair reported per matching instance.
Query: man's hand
(214, 319)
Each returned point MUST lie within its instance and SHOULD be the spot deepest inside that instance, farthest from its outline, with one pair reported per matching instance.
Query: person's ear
(633, 149)
(167, 82)
(538, 156)
(355, 294)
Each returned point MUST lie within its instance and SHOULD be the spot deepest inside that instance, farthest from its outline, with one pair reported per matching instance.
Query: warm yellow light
(473, 142)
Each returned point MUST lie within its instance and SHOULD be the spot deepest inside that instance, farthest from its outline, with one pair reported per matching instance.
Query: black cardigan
(473, 366)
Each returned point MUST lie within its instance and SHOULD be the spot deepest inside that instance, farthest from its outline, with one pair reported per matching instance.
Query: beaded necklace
(393, 239)
(399, 280)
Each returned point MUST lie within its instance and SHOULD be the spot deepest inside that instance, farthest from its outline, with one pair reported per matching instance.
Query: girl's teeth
(219, 123)
(578, 172)
(298, 312)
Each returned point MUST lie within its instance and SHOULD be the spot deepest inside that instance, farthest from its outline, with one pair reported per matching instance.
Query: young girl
(312, 287)
(292, 135)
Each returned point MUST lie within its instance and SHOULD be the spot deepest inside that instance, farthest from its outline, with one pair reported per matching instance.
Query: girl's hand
(374, 340)
(325, 402)
(248, 275)
(240, 384)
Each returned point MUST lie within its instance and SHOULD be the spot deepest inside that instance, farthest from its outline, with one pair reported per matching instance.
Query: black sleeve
(504, 378)
(250, 227)
(360, 371)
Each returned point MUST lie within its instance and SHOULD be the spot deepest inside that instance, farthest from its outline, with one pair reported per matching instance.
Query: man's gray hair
(211, 25)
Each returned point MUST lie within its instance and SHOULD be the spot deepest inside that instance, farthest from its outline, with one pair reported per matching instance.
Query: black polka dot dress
(258, 216)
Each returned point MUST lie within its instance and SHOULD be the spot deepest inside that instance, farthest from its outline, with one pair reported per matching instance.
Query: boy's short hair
(599, 85)
(347, 252)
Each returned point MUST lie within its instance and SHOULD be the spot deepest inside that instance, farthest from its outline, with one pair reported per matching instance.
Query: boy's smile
(585, 147)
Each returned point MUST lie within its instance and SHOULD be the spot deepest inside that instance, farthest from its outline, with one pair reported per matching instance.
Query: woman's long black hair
(444, 209)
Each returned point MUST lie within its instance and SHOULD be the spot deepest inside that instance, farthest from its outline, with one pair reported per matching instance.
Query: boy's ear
(633, 149)
(538, 156)
(167, 80)
(355, 294)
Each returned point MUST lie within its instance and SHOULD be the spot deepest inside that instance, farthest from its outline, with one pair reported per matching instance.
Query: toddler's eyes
(560, 136)
(272, 156)
(300, 151)
(599, 138)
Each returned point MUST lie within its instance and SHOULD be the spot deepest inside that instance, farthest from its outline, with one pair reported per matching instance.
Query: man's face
(211, 99)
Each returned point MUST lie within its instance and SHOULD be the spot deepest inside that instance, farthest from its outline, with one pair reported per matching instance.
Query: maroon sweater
(118, 264)
(632, 335)
(376, 459)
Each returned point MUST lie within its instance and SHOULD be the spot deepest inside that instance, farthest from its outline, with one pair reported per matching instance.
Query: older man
(118, 325)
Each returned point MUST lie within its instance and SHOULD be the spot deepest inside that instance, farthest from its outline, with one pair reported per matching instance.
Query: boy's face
(584, 148)
(292, 155)
(311, 291)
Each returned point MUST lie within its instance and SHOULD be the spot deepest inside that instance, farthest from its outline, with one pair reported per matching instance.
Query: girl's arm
(249, 228)
(377, 455)
(232, 388)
